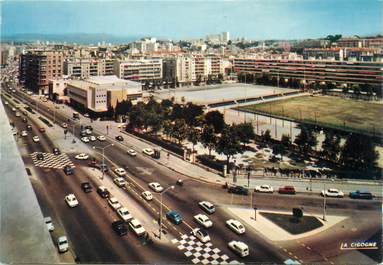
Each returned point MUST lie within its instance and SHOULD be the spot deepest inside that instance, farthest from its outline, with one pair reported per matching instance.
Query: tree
(177, 112)
(330, 146)
(285, 140)
(306, 139)
(136, 116)
(359, 152)
(298, 214)
(208, 138)
(216, 119)
(266, 136)
(228, 144)
(110, 112)
(180, 130)
(193, 136)
(245, 132)
(167, 128)
(191, 112)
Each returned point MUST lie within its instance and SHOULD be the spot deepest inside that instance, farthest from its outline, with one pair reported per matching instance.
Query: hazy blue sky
(253, 19)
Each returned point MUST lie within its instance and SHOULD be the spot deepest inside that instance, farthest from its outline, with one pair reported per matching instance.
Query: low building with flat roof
(98, 93)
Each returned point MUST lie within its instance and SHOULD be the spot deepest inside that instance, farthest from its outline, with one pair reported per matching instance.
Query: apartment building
(360, 42)
(77, 68)
(97, 93)
(346, 72)
(139, 69)
(323, 54)
(201, 67)
(37, 67)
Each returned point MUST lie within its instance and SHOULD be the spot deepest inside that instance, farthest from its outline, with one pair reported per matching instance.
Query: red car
(41, 129)
(286, 190)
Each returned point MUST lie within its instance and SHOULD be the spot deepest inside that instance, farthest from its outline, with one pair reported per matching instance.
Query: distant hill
(80, 38)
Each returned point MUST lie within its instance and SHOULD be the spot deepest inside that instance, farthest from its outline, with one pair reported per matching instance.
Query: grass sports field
(328, 111)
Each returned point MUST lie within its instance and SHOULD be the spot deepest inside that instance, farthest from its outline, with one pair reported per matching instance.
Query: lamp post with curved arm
(160, 215)
(103, 157)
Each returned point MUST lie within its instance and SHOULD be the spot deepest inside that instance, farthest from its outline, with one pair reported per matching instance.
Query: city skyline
(250, 19)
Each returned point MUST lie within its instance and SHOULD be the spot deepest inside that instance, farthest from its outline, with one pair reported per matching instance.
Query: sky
(252, 19)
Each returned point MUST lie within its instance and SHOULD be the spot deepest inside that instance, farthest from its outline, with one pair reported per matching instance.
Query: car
(236, 226)
(86, 187)
(201, 235)
(83, 133)
(82, 156)
(88, 127)
(35, 139)
(239, 248)
(332, 193)
(120, 182)
(148, 151)
(86, 115)
(71, 200)
(119, 138)
(29, 127)
(30, 93)
(101, 138)
(238, 190)
(64, 125)
(42, 129)
(85, 139)
(48, 222)
(113, 202)
(92, 138)
(174, 217)
(120, 228)
(56, 151)
(203, 220)
(18, 114)
(207, 207)
(361, 195)
(24, 120)
(131, 152)
(14, 109)
(124, 214)
(102, 167)
(40, 156)
(68, 170)
(88, 132)
(6, 103)
(136, 226)
(147, 195)
(62, 244)
(103, 192)
(120, 171)
(264, 189)
(156, 186)
(24, 133)
(286, 190)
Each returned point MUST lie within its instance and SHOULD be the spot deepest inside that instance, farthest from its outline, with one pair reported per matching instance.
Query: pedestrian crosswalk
(201, 253)
(51, 160)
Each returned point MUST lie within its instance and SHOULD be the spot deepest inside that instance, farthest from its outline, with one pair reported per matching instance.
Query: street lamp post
(324, 201)
(160, 215)
(103, 157)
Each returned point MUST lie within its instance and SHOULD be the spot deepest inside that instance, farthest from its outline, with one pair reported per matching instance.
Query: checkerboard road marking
(52, 160)
(201, 253)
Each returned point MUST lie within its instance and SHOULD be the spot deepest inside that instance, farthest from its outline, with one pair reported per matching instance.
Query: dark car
(29, 127)
(119, 138)
(120, 228)
(92, 163)
(238, 190)
(25, 120)
(86, 187)
(102, 167)
(174, 217)
(361, 195)
(286, 190)
(42, 129)
(88, 127)
(40, 156)
(56, 151)
(68, 170)
(103, 192)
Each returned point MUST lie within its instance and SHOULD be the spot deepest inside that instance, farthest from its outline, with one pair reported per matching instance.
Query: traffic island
(291, 224)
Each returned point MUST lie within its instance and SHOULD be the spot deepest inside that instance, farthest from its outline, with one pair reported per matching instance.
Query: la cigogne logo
(358, 245)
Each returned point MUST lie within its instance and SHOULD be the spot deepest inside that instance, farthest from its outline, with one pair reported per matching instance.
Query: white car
(124, 214)
(156, 186)
(120, 182)
(48, 222)
(82, 156)
(203, 220)
(71, 200)
(6, 103)
(332, 193)
(120, 171)
(207, 206)
(239, 248)
(24, 133)
(101, 138)
(148, 151)
(88, 132)
(35, 139)
(18, 114)
(264, 189)
(147, 195)
(201, 234)
(62, 243)
(136, 226)
(236, 226)
(85, 139)
(113, 202)
(30, 93)
(14, 109)
(64, 125)
(92, 138)
(131, 152)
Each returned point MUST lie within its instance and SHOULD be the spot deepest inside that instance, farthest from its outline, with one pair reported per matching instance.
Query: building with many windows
(77, 68)
(346, 72)
(37, 67)
(139, 69)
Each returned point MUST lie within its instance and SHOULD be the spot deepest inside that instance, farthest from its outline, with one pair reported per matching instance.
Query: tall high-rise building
(225, 36)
